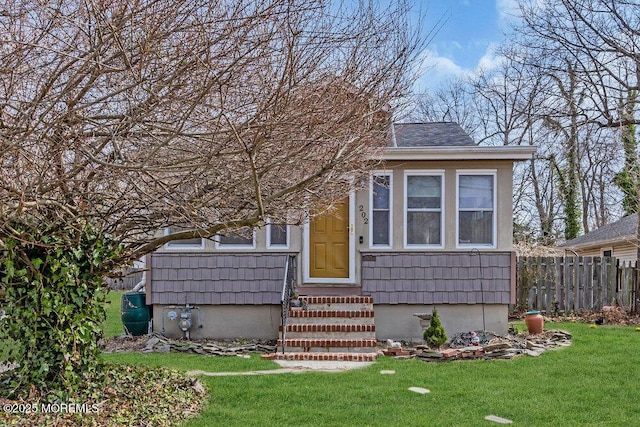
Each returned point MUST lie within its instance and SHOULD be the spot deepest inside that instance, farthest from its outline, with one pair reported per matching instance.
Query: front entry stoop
(331, 328)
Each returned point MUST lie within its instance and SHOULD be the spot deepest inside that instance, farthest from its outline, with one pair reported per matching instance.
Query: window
(236, 241)
(423, 213)
(476, 201)
(277, 236)
(183, 244)
(380, 202)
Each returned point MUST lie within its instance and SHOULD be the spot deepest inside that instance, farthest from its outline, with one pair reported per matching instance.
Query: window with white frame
(423, 209)
(183, 244)
(476, 206)
(231, 240)
(380, 203)
(277, 236)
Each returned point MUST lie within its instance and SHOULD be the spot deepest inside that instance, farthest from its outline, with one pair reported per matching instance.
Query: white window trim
(278, 246)
(494, 225)
(174, 245)
(390, 175)
(424, 172)
(227, 246)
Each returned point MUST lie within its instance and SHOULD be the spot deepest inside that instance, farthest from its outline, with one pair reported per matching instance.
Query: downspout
(140, 264)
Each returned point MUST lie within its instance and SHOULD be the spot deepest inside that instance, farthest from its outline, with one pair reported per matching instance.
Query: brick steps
(329, 345)
(349, 303)
(332, 330)
(350, 314)
(331, 327)
(336, 328)
(341, 357)
(349, 299)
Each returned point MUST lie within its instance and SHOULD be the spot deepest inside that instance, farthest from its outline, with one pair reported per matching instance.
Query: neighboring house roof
(622, 230)
(446, 141)
(436, 134)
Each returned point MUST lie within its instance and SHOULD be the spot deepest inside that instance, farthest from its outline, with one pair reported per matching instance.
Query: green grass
(113, 325)
(593, 382)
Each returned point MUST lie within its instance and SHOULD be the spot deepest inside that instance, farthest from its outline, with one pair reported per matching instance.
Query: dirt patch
(123, 343)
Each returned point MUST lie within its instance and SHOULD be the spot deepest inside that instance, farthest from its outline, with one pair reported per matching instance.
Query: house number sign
(363, 214)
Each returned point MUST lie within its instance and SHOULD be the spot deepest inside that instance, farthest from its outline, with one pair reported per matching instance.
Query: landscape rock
(159, 344)
(493, 346)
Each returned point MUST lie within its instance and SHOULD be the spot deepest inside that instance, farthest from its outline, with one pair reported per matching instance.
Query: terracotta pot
(535, 322)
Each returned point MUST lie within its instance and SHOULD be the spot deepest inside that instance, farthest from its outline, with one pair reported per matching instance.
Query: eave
(501, 152)
(630, 239)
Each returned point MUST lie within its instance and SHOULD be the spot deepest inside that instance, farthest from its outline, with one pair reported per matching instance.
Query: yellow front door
(329, 243)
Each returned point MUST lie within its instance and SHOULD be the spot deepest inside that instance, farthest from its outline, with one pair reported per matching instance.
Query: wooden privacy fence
(575, 284)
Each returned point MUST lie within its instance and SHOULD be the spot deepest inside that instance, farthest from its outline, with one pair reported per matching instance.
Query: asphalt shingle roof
(621, 229)
(434, 134)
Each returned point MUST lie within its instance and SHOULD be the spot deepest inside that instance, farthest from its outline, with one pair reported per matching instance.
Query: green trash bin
(135, 313)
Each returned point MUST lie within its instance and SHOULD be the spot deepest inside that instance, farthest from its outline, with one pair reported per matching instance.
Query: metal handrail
(288, 286)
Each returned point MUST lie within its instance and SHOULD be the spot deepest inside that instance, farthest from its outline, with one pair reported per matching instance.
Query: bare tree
(119, 118)
(590, 52)
(453, 102)
(601, 40)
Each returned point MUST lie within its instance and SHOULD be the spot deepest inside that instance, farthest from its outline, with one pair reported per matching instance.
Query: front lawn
(593, 382)
(113, 325)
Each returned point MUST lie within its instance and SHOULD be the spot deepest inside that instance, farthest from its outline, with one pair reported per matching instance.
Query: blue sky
(467, 38)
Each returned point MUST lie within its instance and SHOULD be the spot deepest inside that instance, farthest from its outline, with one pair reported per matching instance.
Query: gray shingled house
(617, 239)
(433, 229)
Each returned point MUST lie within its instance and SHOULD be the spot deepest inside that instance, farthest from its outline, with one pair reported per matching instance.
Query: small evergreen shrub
(435, 335)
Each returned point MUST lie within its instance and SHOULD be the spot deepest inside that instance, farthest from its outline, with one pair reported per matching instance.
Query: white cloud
(437, 69)
(508, 11)
(490, 59)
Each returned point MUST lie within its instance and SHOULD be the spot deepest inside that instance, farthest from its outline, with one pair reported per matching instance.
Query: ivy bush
(53, 277)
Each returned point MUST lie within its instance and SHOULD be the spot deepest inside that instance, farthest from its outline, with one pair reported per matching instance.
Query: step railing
(288, 287)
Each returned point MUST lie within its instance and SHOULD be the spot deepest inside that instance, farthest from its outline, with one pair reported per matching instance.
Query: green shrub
(435, 335)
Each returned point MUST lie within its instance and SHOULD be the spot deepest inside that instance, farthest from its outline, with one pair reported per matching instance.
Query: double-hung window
(277, 236)
(476, 208)
(232, 240)
(182, 244)
(424, 209)
(380, 226)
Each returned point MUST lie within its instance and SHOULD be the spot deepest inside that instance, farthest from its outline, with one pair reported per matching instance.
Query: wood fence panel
(561, 294)
(598, 271)
(548, 285)
(575, 284)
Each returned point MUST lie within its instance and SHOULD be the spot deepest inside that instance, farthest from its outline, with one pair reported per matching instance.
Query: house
(434, 228)
(617, 239)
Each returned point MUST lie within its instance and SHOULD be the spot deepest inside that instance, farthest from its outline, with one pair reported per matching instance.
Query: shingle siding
(437, 278)
(206, 278)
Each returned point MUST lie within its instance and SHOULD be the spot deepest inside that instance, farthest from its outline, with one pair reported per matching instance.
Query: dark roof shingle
(435, 134)
(621, 229)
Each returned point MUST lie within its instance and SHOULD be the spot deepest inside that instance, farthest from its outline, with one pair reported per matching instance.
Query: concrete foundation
(398, 322)
(223, 321)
